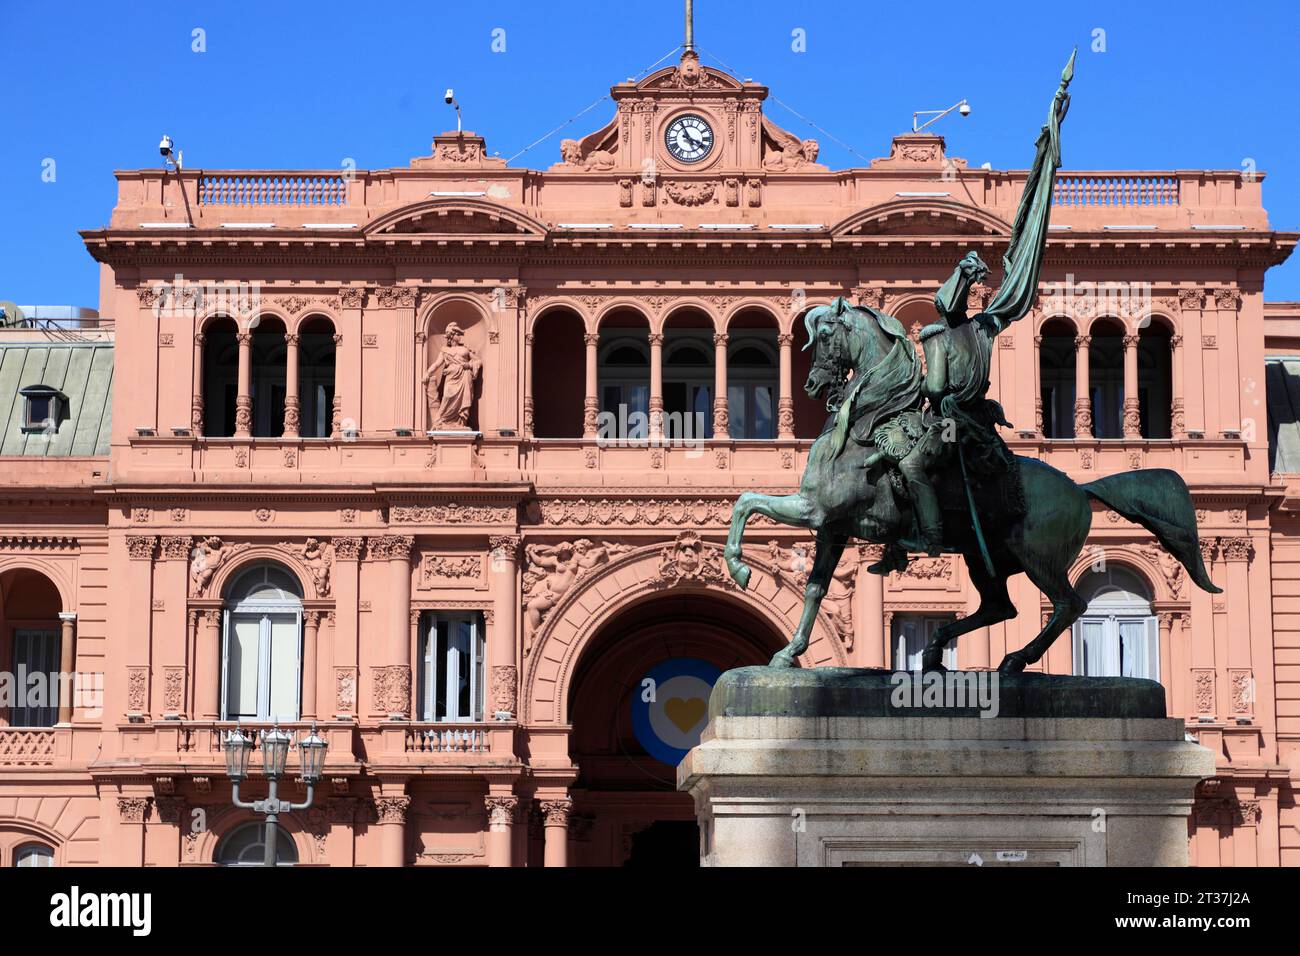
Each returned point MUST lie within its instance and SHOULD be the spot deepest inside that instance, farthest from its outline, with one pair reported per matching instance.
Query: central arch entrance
(627, 809)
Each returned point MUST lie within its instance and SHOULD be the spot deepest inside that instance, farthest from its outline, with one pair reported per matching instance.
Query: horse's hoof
(1011, 664)
(739, 573)
(782, 658)
(932, 667)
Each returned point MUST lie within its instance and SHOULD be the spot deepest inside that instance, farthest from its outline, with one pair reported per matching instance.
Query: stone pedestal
(815, 786)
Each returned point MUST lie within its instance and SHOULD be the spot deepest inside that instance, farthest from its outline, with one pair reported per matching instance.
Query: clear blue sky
(93, 85)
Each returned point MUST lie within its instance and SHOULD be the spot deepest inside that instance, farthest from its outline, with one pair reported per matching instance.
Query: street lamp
(275, 754)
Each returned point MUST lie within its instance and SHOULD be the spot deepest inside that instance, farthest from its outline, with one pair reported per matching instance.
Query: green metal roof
(82, 371)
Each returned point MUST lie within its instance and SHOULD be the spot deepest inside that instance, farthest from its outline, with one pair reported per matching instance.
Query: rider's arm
(936, 365)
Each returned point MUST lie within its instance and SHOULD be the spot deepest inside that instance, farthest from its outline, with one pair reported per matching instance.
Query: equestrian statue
(911, 459)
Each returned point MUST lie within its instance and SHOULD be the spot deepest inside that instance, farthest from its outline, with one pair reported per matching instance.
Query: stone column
(1082, 397)
(67, 664)
(501, 817)
(336, 407)
(555, 822)
(1228, 304)
(656, 384)
(721, 416)
(1132, 413)
(244, 396)
(310, 677)
(1038, 385)
(207, 675)
(391, 811)
(873, 641)
(528, 385)
(196, 401)
(291, 411)
(1177, 415)
(394, 682)
(503, 676)
(591, 398)
(785, 391)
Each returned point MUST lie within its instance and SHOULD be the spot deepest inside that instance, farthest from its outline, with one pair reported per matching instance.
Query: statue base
(785, 775)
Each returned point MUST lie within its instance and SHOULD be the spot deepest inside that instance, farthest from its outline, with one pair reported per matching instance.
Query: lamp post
(275, 753)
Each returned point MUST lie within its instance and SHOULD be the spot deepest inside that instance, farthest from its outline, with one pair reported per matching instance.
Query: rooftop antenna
(690, 27)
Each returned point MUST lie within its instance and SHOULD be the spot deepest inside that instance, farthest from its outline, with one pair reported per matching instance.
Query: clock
(689, 138)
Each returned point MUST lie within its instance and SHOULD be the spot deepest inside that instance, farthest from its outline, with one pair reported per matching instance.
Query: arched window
(1155, 380)
(29, 646)
(558, 375)
(1056, 367)
(751, 388)
(220, 378)
(269, 356)
(1117, 636)
(688, 386)
(1106, 378)
(246, 846)
(262, 646)
(33, 854)
(624, 371)
(316, 364)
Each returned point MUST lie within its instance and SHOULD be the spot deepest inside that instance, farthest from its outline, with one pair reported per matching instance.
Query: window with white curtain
(451, 667)
(36, 651)
(262, 647)
(33, 854)
(912, 632)
(1117, 635)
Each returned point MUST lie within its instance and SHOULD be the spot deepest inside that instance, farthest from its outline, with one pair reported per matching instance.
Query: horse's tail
(1158, 500)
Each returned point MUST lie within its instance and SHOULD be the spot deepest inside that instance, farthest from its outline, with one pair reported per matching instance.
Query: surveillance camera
(450, 97)
(165, 145)
(965, 109)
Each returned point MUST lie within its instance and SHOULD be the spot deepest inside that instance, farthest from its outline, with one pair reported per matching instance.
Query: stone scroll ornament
(449, 382)
(911, 459)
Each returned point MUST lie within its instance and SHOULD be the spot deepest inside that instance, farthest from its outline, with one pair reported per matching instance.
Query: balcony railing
(448, 738)
(273, 190)
(27, 747)
(1104, 190)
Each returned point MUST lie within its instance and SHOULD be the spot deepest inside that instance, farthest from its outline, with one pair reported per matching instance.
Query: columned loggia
(291, 410)
(591, 400)
(1082, 401)
(244, 392)
(1132, 412)
(720, 415)
(785, 400)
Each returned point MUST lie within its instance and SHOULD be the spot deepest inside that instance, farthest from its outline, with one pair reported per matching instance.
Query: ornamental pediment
(921, 216)
(460, 216)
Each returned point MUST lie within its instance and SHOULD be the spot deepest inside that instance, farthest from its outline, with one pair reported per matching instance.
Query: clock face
(689, 138)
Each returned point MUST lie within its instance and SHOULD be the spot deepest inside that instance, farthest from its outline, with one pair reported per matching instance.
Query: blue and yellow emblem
(670, 707)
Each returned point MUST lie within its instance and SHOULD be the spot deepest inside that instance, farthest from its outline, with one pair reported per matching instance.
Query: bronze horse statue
(886, 471)
(837, 499)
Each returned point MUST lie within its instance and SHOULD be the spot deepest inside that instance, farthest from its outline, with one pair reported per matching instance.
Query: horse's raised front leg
(829, 550)
(793, 510)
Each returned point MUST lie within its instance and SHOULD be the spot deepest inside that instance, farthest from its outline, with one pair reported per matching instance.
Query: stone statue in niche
(449, 382)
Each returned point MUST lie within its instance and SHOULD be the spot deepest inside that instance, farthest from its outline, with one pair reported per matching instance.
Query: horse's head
(832, 337)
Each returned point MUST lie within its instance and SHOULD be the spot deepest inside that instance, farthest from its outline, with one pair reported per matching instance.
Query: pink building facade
(441, 457)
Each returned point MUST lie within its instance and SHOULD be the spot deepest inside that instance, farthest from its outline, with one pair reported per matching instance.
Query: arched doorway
(627, 809)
